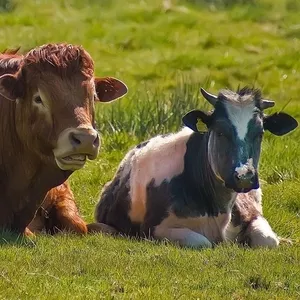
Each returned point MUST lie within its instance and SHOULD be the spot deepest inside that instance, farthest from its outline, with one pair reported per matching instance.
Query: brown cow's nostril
(74, 140)
(96, 141)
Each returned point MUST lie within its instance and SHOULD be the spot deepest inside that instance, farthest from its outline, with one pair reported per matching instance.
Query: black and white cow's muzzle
(244, 178)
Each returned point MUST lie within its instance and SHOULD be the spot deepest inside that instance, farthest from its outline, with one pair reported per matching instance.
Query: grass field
(165, 53)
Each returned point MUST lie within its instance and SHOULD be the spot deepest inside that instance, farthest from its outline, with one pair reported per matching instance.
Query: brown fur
(58, 212)
(28, 170)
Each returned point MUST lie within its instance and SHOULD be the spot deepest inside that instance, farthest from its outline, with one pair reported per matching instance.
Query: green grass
(164, 54)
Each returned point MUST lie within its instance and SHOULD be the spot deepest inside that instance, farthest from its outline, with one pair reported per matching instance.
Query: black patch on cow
(142, 144)
(196, 191)
(280, 123)
(157, 206)
(114, 206)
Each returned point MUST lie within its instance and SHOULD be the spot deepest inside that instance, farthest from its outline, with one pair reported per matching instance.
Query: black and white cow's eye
(259, 136)
(38, 100)
(220, 134)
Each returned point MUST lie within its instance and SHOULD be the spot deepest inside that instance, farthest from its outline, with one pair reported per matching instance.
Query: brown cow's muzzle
(74, 146)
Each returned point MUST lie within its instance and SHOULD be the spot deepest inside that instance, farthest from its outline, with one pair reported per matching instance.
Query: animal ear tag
(197, 120)
(201, 127)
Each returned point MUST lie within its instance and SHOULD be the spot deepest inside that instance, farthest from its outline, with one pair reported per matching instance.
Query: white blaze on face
(240, 115)
(244, 169)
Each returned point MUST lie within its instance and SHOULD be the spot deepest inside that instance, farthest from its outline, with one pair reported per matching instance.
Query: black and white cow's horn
(266, 104)
(212, 99)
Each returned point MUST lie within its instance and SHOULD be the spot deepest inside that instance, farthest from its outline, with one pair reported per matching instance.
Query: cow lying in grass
(47, 131)
(195, 187)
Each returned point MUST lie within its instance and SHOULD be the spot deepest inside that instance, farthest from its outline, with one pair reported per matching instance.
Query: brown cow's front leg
(58, 213)
(28, 233)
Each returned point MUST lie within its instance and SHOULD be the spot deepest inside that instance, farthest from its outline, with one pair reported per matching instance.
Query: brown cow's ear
(10, 87)
(197, 120)
(109, 89)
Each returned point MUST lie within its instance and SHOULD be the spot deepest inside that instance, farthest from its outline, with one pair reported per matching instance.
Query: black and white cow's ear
(197, 120)
(280, 123)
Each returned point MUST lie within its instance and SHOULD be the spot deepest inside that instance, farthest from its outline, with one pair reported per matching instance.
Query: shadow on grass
(11, 238)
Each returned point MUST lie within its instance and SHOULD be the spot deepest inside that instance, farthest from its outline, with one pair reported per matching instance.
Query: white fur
(161, 159)
(183, 236)
(213, 228)
(240, 115)
(232, 232)
(261, 234)
(243, 169)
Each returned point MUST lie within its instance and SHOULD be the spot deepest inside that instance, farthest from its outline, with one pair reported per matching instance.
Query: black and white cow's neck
(198, 190)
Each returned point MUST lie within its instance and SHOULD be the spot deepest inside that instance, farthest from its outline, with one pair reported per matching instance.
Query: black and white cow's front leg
(248, 226)
(260, 234)
(183, 236)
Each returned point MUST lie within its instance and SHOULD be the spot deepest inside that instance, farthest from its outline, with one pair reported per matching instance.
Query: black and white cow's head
(235, 130)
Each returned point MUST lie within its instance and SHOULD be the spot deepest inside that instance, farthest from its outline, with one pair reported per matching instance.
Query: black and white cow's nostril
(244, 181)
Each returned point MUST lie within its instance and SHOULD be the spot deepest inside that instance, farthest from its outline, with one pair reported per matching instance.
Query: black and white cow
(197, 187)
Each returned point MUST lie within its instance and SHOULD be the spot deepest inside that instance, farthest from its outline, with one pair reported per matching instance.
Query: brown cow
(47, 126)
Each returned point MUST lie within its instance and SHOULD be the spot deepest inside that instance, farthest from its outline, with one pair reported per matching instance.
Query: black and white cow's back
(141, 176)
(186, 186)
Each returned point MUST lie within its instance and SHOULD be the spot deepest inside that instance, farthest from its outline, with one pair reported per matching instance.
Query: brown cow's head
(54, 93)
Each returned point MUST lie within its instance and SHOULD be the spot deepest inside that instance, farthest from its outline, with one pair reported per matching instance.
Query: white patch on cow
(161, 159)
(245, 168)
(261, 234)
(213, 228)
(183, 236)
(256, 196)
(232, 232)
(240, 115)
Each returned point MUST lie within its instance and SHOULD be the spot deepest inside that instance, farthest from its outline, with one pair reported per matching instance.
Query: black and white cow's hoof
(261, 234)
(285, 241)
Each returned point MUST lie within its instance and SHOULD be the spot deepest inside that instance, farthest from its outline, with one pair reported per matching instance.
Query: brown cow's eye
(38, 100)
